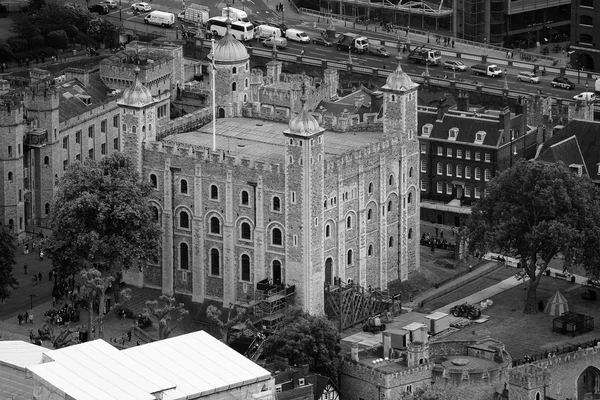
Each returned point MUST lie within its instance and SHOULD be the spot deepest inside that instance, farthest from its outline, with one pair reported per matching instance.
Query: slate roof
(577, 143)
(347, 103)
(467, 126)
(71, 106)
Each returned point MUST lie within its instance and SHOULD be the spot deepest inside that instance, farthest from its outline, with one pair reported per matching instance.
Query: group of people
(435, 242)
(59, 316)
(26, 317)
(448, 42)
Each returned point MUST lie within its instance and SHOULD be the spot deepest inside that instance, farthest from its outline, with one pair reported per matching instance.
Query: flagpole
(214, 106)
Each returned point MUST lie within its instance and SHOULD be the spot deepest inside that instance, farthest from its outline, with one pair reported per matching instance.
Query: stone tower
(418, 349)
(41, 107)
(138, 119)
(529, 382)
(232, 75)
(400, 121)
(12, 209)
(304, 189)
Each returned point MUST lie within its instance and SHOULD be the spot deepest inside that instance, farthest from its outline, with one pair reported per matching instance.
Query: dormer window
(453, 134)
(577, 168)
(301, 382)
(479, 137)
(427, 130)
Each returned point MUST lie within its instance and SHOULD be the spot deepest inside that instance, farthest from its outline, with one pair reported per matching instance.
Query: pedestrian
(452, 43)
(20, 318)
(41, 255)
(39, 276)
(25, 317)
(129, 335)
(50, 275)
(25, 268)
(31, 318)
(53, 301)
(302, 53)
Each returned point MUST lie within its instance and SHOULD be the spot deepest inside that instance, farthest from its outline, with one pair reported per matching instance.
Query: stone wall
(187, 123)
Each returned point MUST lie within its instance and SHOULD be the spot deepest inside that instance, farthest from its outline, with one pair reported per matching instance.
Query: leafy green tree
(24, 26)
(535, 211)
(57, 39)
(100, 28)
(17, 44)
(215, 316)
(168, 317)
(307, 339)
(6, 53)
(8, 248)
(102, 221)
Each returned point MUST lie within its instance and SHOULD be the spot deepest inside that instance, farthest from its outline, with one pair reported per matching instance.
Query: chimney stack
(354, 352)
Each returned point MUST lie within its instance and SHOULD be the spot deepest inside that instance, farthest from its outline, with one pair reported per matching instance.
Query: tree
(6, 53)
(58, 39)
(214, 315)
(168, 317)
(534, 211)
(102, 222)
(307, 339)
(8, 248)
(100, 29)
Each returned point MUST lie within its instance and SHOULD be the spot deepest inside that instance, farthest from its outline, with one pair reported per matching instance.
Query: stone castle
(264, 194)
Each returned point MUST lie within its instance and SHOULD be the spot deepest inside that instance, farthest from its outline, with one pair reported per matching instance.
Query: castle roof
(76, 99)
(303, 124)
(399, 80)
(229, 50)
(137, 95)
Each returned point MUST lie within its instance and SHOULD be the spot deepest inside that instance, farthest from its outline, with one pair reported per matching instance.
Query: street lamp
(427, 36)
(282, 15)
(505, 79)
(120, 8)
(31, 296)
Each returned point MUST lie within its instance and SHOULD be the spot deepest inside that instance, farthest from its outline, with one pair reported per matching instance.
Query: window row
(458, 153)
(457, 170)
(468, 190)
(214, 261)
(350, 253)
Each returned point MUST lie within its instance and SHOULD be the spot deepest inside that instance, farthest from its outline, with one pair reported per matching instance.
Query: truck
(353, 42)
(487, 70)
(424, 55)
(196, 14)
(234, 14)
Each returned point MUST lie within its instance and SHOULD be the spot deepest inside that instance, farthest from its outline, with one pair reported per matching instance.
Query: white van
(297, 35)
(280, 42)
(234, 14)
(266, 31)
(160, 18)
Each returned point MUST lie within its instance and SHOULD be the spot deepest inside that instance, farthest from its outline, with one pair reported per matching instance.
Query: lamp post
(120, 8)
(31, 296)
(505, 79)
(282, 15)
(427, 36)
(578, 71)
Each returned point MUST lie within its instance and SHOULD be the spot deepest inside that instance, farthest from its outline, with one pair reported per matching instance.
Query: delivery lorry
(423, 55)
(487, 70)
(353, 42)
(195, 14)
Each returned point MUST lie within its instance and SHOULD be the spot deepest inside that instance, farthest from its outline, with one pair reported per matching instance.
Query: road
(258, 9)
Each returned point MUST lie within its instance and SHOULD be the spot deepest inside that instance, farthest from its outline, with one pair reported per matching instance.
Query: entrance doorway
(221, 113)
(456, 220)
(276, 272)
(588, 383)
(328, 270)
(440, 219)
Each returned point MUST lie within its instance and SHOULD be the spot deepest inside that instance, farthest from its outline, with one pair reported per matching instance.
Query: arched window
(410, 172)
(245, 198)
(389, 206)
(133, 129)
(214, 192)
(423, 165)
(183, 186)
(370, 250)
(586, 20)
(586, 38)
(46, 160)
(477, 173)
(370, 187)
(154, 181)
(47, 208)
(233, 87)
(234, 70)
(488, 174)
(156, 213)
(391, 180)
(215, 262)
(10, 176)
(184, 220)
(349, 257)
(11, 224)
(369, 214)
(393, 97)
(410, 233)
(409, 198)
(327, 231)
(124, 126)
(391, 241)
(276, 204)
(245, 267)
(349, 222)
(184, 256)
(245, 231)
(215, 226)
(276, 238)
(20, 195)
(325, 204)
(440, 168)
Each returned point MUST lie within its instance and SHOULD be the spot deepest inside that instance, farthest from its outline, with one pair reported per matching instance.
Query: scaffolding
(426, 8)
(270, 303)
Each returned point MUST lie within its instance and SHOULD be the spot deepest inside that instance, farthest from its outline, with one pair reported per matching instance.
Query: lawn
(530, 334)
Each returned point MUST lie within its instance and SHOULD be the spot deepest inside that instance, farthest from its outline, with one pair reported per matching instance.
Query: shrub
(6, 53)
(57, 39)
(36, 42)
(47, 51)
(71, 31)
(17, 44)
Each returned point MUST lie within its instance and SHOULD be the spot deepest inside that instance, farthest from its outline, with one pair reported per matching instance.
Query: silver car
(455, 65)
(528, 77)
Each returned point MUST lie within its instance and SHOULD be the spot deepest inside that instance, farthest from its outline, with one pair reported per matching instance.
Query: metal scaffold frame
(412, 7)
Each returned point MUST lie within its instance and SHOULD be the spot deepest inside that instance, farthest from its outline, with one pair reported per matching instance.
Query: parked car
(455, 65)
(586, 96)
(110, 3)
(321, 41)
(378, 51)
(141, 7)
(98, 8)
(528, 77)
(563, 83)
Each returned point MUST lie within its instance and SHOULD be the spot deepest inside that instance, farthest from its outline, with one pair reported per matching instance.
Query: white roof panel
(413, 326)
(20, 354)
(436, 315)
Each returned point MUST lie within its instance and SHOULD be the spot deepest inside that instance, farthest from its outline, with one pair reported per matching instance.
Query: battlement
(589, 353)
(207, 155)
(11, 112)
(383, 369)
(41, 97)
(351, 159)
(529, 376)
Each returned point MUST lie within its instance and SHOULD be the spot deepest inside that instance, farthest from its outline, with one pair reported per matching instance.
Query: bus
(240, 30)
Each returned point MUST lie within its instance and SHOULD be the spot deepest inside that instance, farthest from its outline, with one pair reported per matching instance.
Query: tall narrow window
(245, 231)
(47, 208)
(183, 256)
(184, 220)
(215, 226)
(245, 198)
(245, 266)
(276, 204)
(327, 231)
(276, 237)
(214, 192)
(154, 181)
(183, 186)
(349, 257)
(349, 222)
(215, 262)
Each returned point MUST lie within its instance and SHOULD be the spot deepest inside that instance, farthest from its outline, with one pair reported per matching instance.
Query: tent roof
(20, 354)
(558, 298)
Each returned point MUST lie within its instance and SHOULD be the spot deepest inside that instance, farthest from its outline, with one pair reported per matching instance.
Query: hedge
(47, 51)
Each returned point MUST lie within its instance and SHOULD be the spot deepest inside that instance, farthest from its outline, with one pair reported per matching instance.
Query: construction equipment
(466, 310)
(374, 325)
(424, 56)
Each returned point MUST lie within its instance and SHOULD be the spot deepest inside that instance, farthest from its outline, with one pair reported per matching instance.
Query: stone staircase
(14, 385)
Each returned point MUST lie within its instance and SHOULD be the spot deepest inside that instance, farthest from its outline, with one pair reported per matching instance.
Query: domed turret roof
(229, 49)
(137, 95)
(303, 124)
(399, 80)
